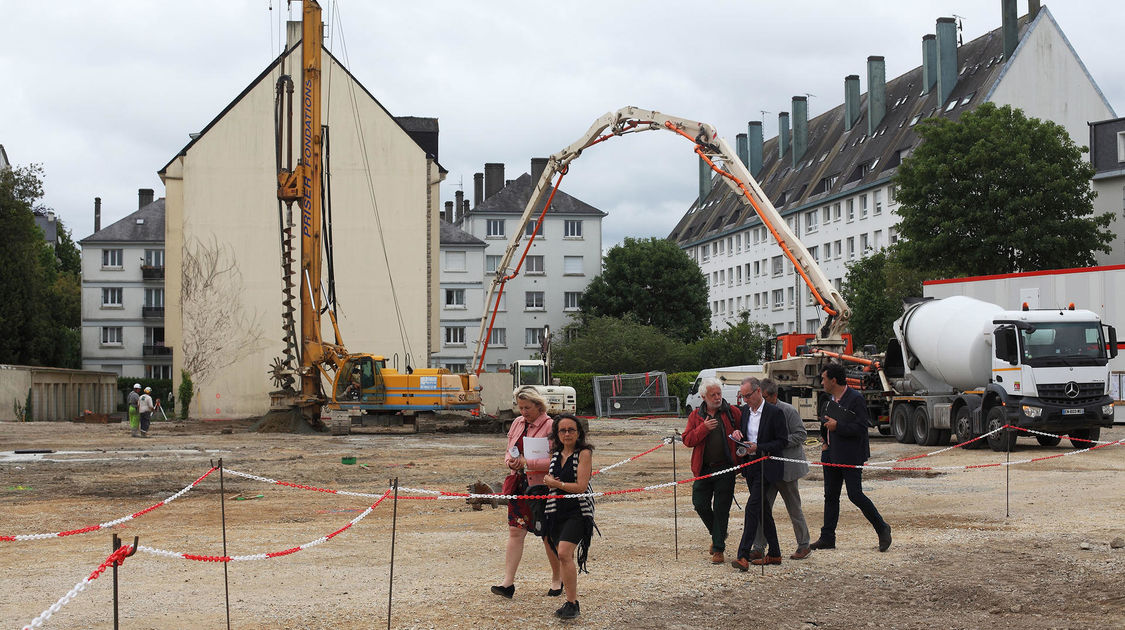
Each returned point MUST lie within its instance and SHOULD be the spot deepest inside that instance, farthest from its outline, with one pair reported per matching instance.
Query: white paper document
(535, 448)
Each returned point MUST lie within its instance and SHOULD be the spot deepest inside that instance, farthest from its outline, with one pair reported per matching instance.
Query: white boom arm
(724, 161)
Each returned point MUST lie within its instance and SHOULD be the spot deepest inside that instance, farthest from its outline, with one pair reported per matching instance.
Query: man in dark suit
(765, 430)
(844, 441)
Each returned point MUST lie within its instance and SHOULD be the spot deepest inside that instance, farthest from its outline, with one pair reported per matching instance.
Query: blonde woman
(533, 421)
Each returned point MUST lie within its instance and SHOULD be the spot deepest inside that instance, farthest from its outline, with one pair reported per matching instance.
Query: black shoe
(554, 592)
(505, 591)
(885, 538)
(821, 543)
(569, 610)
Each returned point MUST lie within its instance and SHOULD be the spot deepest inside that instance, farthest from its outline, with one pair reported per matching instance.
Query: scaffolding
(634, 395)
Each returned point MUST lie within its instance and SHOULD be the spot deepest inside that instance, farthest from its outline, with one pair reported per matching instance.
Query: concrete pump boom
(718, 154)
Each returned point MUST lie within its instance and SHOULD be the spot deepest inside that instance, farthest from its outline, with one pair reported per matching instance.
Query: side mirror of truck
(1005, 345)
(1112, 342)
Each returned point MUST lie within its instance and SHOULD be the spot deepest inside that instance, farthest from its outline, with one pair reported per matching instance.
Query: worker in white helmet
(133, 401)
(145, 406)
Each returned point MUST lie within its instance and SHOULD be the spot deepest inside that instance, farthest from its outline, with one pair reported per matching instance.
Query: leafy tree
(875, 287)
(612, 345)
(997, 192)
(742, 342)
(655, 282)
(186, 392)
(40, 314)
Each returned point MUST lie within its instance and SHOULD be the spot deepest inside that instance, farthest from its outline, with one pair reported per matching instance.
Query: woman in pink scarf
(532, 422)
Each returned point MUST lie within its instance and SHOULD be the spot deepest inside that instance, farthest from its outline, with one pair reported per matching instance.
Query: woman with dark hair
(532, 422)
(570, 522)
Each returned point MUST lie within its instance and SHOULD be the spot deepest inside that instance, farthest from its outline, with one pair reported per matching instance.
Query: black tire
(963, 427)
(900, 424)
(944, 436)
(1047, 440)
(885, 429)
(924, 432)
(1003, 441)
(1085, 434)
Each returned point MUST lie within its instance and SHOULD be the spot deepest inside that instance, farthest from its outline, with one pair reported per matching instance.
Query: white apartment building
(123, 294)
(564, 257)
(831, 177)
(461, 298)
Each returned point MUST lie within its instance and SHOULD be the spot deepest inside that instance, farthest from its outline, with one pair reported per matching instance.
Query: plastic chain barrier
(117, 558)
(108, 524)
(264, 556)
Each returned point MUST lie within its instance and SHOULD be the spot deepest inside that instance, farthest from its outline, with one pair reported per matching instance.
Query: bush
(679, 384)
(187, 390)
(583, 384)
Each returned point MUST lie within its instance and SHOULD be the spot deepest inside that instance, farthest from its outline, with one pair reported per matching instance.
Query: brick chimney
(448, 213)
(478, 188)
(493, 179)
(144, 197)
(97, 214)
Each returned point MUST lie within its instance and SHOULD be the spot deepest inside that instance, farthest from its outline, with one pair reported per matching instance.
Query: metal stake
(762, 506)
(391, 582)
(1007, 475)
(116, 544)
(675, 500)
(223, 509)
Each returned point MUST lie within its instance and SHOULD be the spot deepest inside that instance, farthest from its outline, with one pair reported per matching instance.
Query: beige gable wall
(221, 203)
(1047, 80)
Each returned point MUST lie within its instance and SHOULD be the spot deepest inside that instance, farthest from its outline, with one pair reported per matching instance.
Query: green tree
(875, 287)
(742, 342)
(997, 192)
(617, 345)
(655, 282)
(40, 314)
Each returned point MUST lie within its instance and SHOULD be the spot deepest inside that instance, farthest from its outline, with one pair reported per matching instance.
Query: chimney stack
(876, 93)
(493, 179)
(97, 214)
(800, 106)
(782, 134)
(478, 188)
(448, 214)
(1009, 26)
(851, 101)
(946, 57)
(458, 204)
(464, 209)
(929, 63)
(144, 197)
(1032, 9)
(704, 181)
(742, 148)
(293, 33)
(538, 165)
(754, 131)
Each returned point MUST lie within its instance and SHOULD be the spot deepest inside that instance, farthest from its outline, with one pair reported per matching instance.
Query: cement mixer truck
(960, 365)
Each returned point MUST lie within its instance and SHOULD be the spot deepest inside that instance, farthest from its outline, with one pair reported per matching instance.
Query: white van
(731, 378)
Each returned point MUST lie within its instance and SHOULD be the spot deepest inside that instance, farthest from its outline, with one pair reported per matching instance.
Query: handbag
(515, 483)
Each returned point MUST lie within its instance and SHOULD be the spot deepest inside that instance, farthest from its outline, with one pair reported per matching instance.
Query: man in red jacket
(707, 434)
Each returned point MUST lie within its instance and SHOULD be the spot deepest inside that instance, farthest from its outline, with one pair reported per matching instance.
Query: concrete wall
(221, 203)
(57, 394)
(496, 392)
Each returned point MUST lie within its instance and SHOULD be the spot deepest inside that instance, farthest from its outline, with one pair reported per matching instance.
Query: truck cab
(533, 373)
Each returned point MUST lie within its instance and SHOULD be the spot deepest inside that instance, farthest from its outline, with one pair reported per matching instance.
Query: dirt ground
(957, 561)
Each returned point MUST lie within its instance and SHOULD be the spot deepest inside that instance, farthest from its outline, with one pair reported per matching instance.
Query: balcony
(148, 272)
(152, 312)
(157, 351)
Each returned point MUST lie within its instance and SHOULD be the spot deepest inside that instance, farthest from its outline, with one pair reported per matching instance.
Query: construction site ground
(958, 561)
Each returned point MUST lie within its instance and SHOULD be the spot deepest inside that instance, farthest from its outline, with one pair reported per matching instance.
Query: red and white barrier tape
(635, 457)
(117, 558)
(275, 482)
(263, 556)
(108, 524)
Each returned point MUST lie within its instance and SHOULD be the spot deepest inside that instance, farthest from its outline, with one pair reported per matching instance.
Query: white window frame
(572, 266)
(571, 300)
(108, 295)
(532, 337)
(492, 262)
(534, 301)
(154, 298)
(572, 228)
(454, 299)
(113, 258)
(112, 336)
(454, 335)
(494, 228)
(534, 265)
(498, 338)
(455, 261)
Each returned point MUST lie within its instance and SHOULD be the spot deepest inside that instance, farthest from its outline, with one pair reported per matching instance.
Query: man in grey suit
(794, 449)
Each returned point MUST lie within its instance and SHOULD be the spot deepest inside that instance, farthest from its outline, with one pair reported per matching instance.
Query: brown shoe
(754, 555)
(766, 560)
(717, 558)
(801, 553)
(742, 564)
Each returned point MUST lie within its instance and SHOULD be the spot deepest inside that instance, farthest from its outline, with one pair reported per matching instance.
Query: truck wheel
(1047, 440)
(963, 426)
(944, 437)
(900, 424)
(1003, 441)
(924, 432)
(1085, 434)
(885, 429)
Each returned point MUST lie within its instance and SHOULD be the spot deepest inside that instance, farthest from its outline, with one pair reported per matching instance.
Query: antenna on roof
(960, 28)
(764, 112)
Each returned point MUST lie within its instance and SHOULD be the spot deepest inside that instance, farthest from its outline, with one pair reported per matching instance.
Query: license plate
(1073, 412)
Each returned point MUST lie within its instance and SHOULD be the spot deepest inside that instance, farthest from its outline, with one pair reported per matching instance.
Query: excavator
(360, 383)
(797, 375)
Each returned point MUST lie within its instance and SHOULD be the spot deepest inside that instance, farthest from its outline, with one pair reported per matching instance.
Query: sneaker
(569, 610)
(505, 591)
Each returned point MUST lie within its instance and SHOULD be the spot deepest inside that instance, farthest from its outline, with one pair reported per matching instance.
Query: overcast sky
(103, 94)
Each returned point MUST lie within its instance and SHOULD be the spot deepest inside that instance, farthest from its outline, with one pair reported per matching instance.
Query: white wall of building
(462, 270)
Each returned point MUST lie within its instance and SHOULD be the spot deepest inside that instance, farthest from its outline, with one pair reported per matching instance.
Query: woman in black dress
(570, 522)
